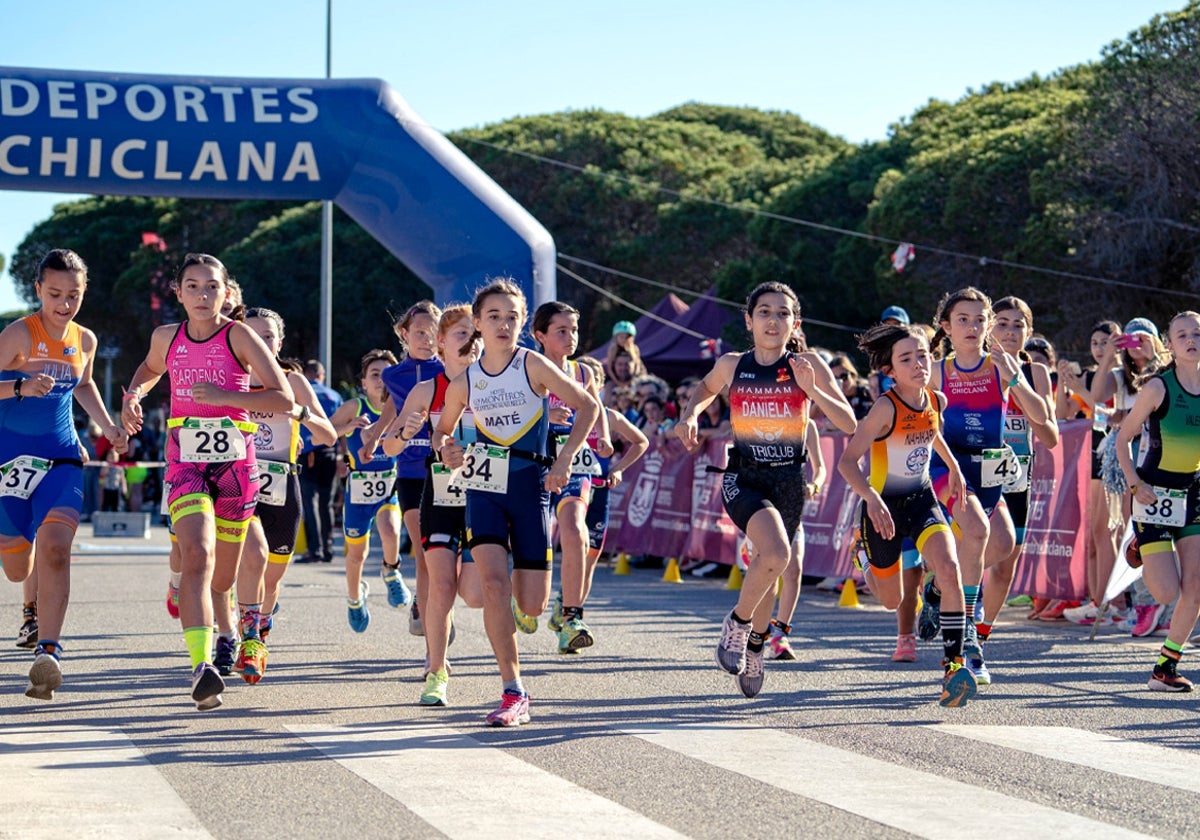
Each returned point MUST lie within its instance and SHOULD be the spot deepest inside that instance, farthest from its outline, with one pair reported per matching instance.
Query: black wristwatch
(17, 389)
(305, 413)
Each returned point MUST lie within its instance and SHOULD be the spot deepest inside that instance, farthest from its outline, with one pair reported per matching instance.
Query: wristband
(305, 413)
(400, 436)
(17, 389)
(130, 395)
(1015, 380)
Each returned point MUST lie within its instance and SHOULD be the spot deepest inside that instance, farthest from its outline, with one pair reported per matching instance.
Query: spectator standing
(318, 474)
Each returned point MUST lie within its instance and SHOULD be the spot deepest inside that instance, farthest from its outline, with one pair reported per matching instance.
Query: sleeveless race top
(379, 461)
(464, 432)
(211, 360)
(1170, 456)
(399, 379)
(900, 459)
(976, 403)
(278, 435)
(507, 411)
(768, 411)
(44, 426)
(574, 371)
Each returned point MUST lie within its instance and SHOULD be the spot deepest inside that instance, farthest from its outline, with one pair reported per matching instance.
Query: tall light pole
(325, 328)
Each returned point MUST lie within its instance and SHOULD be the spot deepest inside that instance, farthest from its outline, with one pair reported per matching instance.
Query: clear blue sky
(851, 68)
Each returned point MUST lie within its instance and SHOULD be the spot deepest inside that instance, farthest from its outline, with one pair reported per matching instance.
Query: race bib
(1016, 424)
(445, 492)
(22, 475)
(272, 482)
(484, 468)
(211, 440)
(164, 507)
(1169, 508)
(368, 488)
(997, 467)
(1019, 482)
(585, 462)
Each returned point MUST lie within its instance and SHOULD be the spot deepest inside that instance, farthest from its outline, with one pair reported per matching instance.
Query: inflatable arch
(355, 142)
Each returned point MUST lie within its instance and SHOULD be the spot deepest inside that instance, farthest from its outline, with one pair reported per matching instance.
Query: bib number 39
(1169, 508)
(367, 488)
(21, 476)
(211, 441)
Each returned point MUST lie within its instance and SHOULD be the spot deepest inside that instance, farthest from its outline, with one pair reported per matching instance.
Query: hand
(560, 415)
(119, 439)
(131, 413)
(604, 448)
(206, 393)
(38, 385)
(686, 431)
(1143, 493)
(812, 490)
(802, 369)
(615, 478)
(559, 475)
(413, 425)
(880, 517)
(452, 454)
(1005, 364)
(958, 488)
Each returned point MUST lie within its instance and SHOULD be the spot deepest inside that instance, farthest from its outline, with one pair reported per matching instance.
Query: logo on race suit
(264, 437)
(69, 351)
(973, 420)
(180, 349)
(481, 384)
(783, 375)
(701, 486)
(641, 500)
(41, 349)
(917, 459)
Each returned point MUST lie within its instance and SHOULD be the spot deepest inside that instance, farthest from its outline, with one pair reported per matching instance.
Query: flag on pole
(904, 254)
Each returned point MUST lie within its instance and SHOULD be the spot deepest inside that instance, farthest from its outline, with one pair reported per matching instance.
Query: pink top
(211, 360)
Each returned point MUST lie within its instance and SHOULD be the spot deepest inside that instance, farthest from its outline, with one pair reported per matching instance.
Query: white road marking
(466, 789)
(874, 789)
(1147, 762)
(85, 782)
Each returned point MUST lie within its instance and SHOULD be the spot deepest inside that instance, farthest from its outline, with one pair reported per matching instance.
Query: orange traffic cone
(735, 578)
(671, 575)
(622, 564)
(849, 597)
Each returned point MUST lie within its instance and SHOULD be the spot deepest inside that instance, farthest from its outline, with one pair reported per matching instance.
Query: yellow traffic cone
(622, 564)
(849, 595)
(735, 578)
(671, 575)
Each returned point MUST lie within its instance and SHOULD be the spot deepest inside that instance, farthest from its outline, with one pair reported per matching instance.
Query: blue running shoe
(223, 656)
(399, 595)
(929, 621)
(958, 686)
(357, 612)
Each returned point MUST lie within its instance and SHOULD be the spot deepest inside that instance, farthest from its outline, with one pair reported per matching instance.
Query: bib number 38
(1169, 508)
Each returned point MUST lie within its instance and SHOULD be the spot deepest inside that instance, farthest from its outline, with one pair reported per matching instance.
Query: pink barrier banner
(670, 505)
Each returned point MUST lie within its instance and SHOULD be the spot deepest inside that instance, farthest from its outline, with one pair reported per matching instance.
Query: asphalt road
(639, 736)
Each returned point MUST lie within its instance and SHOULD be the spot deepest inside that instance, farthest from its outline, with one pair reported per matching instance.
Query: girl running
(899, 433)
(271, 538)
(45, 360)
(449, 565)
(1011, 329)
(1166, 492)
(556, 329)
(977, 384)
(370, 497)
(508, 476)
(771, 391)
(211, 469)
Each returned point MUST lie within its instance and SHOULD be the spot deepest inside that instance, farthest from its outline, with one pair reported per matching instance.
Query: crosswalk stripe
(467, 789)
(871, 788)
(85, 782)
(1150, 763)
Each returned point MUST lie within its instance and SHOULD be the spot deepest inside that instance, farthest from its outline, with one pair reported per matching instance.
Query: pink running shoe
(513, 711)
(172, 600)
(906, 648)
(1148, 616)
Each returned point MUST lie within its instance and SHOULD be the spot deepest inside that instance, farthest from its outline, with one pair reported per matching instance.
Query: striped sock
(954, 626)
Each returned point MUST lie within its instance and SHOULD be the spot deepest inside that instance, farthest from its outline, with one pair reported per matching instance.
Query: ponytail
(465, 350)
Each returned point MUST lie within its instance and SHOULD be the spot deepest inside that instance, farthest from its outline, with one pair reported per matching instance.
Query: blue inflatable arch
(355, 142)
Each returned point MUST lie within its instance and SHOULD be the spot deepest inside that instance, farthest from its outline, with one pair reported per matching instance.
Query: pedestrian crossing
(95, 782)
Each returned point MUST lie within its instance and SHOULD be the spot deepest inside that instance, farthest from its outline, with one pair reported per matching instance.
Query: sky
(853, 69)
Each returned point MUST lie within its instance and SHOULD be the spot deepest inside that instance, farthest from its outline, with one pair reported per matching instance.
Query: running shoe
(973, 655)
(399, 595)
(172, 600)
(1147, 618)
(435, 689)
(1054, 611)
(958, 685)
(731, 651)
(525, 623)
(575, 634)
(45, 676)
(416, 627)
(27, 636)
(556, 618)
(906, 648)
(265, 623)
(1020, 601)
(750, 681)
(1083, 614)
(1133, 555)
(929, 621)
(356, 611)
(1164, 678)
(207, 686)
(1037, 606)
(513, 710)
(251, 660)
(223, 656)
(778, 646)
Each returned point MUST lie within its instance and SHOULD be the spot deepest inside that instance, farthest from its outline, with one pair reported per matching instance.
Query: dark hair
(189, 260)
(879, 342)
(546, 312)
(498, 286)
(1042, 345)
(375, 355)
(313, 368)
(794, 343)
(269, 315)
(946, 305)
(1106, 327)
(62, 259)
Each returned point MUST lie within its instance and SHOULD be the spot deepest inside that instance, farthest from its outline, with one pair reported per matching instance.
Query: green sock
(1168, 648)
(199, 643)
